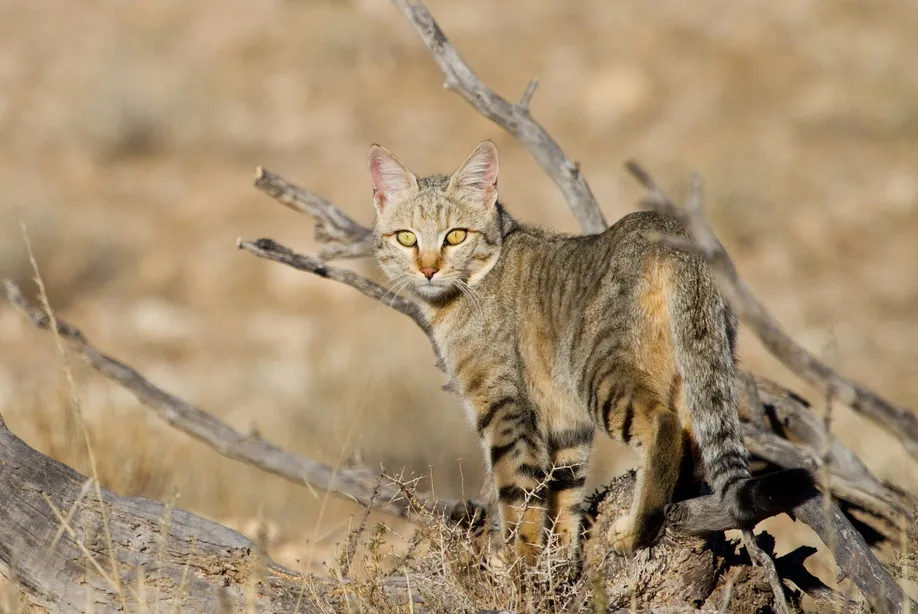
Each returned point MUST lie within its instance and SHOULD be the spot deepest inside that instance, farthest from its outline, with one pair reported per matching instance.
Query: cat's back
(635, 235)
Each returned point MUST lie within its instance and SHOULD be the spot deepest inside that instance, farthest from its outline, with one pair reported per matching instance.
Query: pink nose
(429, 272)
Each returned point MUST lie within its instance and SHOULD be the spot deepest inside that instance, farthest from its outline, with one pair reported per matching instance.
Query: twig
(514, 118)
(761, 557)
(526, 98)
(354, 537)
(896, 420)
(348, 239)
(728, 591)
(271, 250)
(789, 416)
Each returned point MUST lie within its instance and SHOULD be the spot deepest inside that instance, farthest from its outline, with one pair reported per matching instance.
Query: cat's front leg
(519, 461)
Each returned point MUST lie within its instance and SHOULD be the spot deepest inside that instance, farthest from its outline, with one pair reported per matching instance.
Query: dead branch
(899, 421)
(347, 238)
(167, 558)
(761, 558)
(36, 492)
(854, 558)
(271, 250)
(514, 118)
(852, 554)
(354, 484)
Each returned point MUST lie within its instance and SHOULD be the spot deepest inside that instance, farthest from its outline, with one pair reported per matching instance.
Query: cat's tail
(704, 335)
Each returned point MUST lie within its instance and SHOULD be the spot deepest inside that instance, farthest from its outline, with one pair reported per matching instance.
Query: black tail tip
(772, 494)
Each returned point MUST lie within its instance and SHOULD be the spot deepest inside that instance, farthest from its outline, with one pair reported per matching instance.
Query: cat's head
(438, 235)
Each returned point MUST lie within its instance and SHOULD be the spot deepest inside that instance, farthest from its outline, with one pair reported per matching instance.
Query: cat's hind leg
(639, 418)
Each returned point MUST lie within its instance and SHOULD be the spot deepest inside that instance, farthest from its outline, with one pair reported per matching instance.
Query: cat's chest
(474, 333)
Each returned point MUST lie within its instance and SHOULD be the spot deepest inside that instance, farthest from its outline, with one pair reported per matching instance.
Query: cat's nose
(429, 271)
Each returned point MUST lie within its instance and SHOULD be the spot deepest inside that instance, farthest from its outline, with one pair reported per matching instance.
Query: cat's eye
(406, 238)
(456, 236)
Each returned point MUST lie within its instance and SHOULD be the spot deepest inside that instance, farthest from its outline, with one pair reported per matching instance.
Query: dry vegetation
(128, 132)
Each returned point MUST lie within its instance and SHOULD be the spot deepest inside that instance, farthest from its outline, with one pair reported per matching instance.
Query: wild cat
(550, 337)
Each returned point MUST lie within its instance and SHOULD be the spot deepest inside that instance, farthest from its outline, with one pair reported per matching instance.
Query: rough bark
(174, 558)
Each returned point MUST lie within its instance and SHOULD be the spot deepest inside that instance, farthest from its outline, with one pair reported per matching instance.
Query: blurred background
(128, 136)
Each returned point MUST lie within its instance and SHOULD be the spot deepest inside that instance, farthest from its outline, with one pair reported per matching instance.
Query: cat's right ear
(388, 176)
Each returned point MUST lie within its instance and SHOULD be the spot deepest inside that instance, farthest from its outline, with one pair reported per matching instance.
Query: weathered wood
(347, 238)
(854, 559)
(182, 560)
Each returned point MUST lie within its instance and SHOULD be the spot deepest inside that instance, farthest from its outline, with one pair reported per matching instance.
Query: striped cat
(550, 337)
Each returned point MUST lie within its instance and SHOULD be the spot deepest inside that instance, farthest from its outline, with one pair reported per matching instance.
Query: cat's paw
(499, 560)
(623, 534)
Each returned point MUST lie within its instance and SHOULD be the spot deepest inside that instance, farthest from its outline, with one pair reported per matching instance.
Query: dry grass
(127, 137)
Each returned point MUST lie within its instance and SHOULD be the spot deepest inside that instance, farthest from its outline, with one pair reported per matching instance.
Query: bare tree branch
(761, 557)
(514, 118)
(168, 560)
(854, 558)
(348, 239)
(851, 552)
(870, 497)
(899, 421)
(271, 250)
(349, 483)
(56, 577)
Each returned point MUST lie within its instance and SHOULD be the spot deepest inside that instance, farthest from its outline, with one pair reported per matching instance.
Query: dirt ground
(128, 136)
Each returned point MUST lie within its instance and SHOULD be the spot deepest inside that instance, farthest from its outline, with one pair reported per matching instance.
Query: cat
(549, 337)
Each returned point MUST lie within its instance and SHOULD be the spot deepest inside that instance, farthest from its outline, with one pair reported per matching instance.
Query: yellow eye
(406, 238)
(456, 236)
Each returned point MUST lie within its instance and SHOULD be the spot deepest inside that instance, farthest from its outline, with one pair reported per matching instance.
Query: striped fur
(550, 337)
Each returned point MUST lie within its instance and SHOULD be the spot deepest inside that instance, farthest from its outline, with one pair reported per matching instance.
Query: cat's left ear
(476, 179)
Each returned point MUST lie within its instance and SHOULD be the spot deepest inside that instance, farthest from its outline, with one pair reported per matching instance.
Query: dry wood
(54, 576)
(355, 484)
(765, 561)
(347, 238)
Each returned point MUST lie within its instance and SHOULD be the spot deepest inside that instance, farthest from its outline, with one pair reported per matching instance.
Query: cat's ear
(476, 179)
(388, 176)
